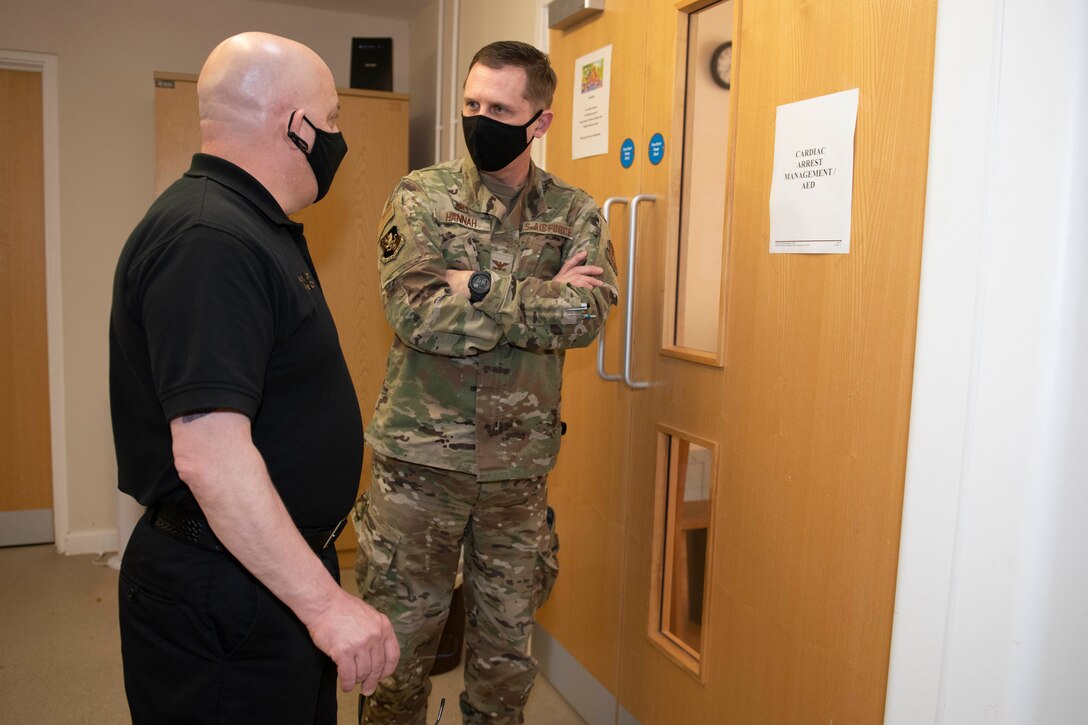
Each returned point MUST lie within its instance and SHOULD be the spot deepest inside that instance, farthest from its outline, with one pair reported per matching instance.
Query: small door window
(686, 473)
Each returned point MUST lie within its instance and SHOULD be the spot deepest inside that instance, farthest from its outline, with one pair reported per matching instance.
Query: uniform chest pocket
(541, 256)
(458, 246)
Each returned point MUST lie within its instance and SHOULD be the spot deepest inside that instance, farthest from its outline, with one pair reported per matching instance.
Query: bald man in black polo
(235, 419)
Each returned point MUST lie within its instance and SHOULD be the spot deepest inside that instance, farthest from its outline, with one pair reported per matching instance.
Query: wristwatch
(479, 284)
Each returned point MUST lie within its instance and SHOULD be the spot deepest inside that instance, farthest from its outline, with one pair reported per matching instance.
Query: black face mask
(325, 157)
(493, 144)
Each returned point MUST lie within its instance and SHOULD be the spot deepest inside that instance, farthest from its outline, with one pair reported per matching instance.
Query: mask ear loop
(298, 140)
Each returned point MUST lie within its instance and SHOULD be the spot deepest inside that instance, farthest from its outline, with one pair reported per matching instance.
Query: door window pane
(689, 473)
(702, 233)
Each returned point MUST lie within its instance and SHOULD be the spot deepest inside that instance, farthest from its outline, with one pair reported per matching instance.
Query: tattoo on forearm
(194, 416)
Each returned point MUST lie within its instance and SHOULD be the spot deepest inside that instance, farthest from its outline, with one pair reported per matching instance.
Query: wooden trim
(672, 646)
(364, 93)
(693, 6)
(657, 566)
(716, 357)
(692, 355)
(161, 75)
(677, 471)
(676, 182)
(731, 172)
(675, 641)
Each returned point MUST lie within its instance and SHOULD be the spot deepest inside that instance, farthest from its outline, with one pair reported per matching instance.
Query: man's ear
(543, 123)
(294, 129)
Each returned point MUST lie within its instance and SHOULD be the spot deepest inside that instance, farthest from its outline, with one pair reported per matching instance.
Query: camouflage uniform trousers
(412, 523)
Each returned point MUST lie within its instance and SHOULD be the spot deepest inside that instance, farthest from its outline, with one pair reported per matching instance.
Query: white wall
(990, 622)
(107, 51)
(485, 21)
(424, 74)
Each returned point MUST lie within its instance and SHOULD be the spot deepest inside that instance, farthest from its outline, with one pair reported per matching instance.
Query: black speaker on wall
(372, 63)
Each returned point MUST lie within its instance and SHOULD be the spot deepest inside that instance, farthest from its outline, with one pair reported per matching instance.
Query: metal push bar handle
(632, 241)
(600, 337)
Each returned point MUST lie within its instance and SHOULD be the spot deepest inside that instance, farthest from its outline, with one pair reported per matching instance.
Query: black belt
(191, 526)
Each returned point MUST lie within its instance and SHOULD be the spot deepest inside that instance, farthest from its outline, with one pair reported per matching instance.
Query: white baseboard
(90, 541)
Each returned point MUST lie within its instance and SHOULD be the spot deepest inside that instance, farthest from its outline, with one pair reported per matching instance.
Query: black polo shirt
(216, 304)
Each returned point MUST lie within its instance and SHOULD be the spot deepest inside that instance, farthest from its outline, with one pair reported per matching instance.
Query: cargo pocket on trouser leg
(547, 561)
(376, 553)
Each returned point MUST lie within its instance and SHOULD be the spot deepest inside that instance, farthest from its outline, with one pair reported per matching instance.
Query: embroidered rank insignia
(391, 244)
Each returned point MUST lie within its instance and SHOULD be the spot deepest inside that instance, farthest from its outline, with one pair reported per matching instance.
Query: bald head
(252, 78)
(261, 99)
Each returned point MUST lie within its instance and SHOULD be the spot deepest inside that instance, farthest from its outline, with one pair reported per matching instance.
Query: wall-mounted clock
(721, 63)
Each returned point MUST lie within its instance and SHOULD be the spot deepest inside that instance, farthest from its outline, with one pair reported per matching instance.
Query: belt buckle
(335, 532)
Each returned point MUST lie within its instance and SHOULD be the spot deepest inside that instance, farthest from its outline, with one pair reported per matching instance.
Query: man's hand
(215, 456)
(577, 274)
(457, 279)
(359, 639)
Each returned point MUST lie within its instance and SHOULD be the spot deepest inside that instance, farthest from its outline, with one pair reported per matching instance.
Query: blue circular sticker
(657, 148)
(627, 153)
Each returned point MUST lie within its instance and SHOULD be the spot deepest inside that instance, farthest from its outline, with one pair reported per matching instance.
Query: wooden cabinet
(341, 231)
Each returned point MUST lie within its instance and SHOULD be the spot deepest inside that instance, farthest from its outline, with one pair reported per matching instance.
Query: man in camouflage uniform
(490, 269)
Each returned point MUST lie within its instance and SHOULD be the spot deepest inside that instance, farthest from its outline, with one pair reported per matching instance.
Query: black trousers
(203, 641)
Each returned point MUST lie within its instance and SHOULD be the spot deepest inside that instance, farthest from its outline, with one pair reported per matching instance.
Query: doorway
(26, 486)
(732, 557)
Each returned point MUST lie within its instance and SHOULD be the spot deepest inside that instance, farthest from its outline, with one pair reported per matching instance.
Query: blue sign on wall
(627, 153)
(657, 148)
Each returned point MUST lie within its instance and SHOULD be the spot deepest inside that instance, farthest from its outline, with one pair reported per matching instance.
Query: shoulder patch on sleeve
(391, 244)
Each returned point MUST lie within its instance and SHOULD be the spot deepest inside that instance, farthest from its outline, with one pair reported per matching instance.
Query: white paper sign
(813, 180)
(592, 81)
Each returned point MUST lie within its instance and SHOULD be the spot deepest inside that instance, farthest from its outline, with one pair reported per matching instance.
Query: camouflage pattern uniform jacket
(475, 387)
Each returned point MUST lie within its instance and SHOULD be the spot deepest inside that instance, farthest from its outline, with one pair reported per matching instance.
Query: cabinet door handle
(600, 337)
(632, 241)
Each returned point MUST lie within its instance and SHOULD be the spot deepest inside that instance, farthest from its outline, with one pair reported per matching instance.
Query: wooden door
(341, 230)
(26, 472)
(677, 446)
(801, 414)
(588, 488)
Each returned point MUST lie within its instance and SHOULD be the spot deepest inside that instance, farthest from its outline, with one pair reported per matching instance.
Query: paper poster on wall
(589, 122)
(813, 179)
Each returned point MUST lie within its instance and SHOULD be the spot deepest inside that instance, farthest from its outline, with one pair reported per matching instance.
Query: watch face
(479, 284)
(721, 63)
